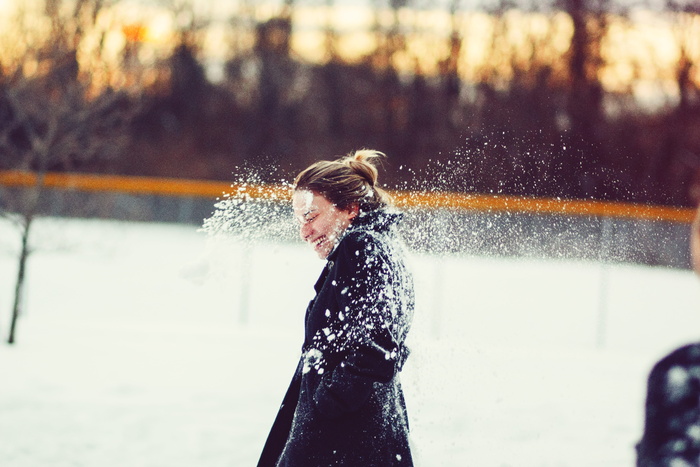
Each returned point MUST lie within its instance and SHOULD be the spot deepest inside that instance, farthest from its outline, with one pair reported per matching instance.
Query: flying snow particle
(694, 432)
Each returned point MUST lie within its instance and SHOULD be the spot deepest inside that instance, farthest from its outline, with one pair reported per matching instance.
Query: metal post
(606, 238)
(246, 271)
(437, 295)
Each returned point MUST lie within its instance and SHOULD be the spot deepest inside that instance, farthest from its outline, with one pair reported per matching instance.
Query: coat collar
(378, 220)
(324, 274)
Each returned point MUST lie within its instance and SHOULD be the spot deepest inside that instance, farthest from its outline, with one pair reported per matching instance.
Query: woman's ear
(354, 210)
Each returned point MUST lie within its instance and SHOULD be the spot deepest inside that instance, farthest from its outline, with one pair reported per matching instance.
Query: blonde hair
(346, 181)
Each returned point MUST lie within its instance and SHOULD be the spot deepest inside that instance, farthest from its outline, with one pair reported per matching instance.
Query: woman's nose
(305, 231)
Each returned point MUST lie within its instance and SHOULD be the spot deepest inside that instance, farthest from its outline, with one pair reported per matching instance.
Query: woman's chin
(323, 250)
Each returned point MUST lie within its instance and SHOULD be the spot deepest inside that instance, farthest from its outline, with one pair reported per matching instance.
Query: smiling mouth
(316, 243)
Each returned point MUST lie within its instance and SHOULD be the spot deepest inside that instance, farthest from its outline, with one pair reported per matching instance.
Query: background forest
(566, 98)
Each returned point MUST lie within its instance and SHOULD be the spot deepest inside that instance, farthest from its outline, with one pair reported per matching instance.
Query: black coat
(672, 412)
(345, 405)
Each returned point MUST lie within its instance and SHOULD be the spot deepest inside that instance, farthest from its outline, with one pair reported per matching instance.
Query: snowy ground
(154, 346)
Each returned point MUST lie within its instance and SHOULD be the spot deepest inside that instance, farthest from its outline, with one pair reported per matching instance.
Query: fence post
(606, 237)
(246, 271)
(437, 295)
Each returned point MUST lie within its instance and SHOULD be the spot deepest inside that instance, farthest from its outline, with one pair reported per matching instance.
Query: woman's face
(320, 222)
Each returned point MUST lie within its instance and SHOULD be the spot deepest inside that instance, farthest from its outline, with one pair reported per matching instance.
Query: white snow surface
(154, 345)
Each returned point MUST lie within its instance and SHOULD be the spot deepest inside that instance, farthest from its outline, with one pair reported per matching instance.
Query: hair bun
(362, 162)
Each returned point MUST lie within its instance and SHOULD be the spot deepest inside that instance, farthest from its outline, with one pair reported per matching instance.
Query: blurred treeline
(534, 119)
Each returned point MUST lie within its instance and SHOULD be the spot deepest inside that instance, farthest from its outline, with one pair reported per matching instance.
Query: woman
(345, 405)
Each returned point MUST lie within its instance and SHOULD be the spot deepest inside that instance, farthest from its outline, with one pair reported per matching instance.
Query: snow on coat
(345, 405)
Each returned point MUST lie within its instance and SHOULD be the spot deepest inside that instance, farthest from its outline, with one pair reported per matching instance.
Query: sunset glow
(640, 53)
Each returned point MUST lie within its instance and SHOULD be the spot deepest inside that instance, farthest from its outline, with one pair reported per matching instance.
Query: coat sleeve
(364, 290)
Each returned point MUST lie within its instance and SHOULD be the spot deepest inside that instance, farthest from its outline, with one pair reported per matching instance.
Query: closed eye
(307, 218)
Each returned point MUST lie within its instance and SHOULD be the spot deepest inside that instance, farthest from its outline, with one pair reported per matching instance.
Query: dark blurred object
(672, 423)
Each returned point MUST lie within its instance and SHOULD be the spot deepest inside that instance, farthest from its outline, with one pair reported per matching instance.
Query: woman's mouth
(319, 241)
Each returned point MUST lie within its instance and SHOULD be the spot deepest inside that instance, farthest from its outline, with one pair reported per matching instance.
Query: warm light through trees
(640, 49)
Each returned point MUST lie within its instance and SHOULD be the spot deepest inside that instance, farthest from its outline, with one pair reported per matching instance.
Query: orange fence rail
(407, 199)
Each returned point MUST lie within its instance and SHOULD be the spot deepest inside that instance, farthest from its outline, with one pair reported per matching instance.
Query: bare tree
(51, 120)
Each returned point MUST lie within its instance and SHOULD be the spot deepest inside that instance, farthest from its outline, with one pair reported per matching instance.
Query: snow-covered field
(151, 345)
